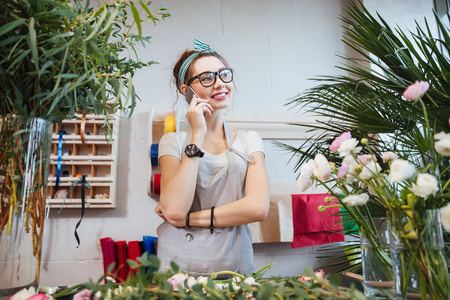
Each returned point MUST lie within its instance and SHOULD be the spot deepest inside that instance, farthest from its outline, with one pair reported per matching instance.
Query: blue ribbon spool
(154, 154)
(58, 166)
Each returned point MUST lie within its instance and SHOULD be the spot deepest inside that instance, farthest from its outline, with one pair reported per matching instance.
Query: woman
(213, 178)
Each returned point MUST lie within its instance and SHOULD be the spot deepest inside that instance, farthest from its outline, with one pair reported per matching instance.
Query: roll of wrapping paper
(150, 244)
(134, 251)
(154, 154)
(109, 254)
(169, 124)
(121, 259)
(156, 184)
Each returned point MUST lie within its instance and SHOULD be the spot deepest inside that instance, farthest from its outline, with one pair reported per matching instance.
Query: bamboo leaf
(11, 26)
(137, 18)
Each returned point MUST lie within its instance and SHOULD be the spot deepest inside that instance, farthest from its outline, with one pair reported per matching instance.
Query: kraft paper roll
(169, 124)
(156, 184)
(154, 154)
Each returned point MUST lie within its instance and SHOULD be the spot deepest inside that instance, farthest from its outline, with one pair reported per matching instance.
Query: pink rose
(342, 170)
(366, 159)
(339, 140)
(84, 295)
(416, 90)
(41, 296)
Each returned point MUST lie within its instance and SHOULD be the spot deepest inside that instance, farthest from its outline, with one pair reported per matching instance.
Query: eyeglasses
(207, 79)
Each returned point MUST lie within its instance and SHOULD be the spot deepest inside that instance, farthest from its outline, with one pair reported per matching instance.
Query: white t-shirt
(246, 141)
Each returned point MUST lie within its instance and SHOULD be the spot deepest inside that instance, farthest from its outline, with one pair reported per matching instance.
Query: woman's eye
(207, 78)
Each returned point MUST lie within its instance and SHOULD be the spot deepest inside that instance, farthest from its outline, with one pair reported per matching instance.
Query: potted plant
(57, 58)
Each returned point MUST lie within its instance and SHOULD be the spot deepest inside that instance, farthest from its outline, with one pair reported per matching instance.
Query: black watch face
(192, 150)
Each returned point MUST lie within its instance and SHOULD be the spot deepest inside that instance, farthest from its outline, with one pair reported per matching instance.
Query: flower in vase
(349, 146)
(342, 171)
(426, 185)
(443, 144)
(370, 170)
(322, 168)
(356, 200)
(352, 164)
(416, 90)
(339, 140)
(445, 217)
(389, 156)
(305, 179)
(365, 159)
(401, 170)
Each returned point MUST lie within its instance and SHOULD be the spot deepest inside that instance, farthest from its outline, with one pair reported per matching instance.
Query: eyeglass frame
(215, 77)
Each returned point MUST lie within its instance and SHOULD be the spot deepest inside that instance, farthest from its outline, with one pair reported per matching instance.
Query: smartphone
(190, 94)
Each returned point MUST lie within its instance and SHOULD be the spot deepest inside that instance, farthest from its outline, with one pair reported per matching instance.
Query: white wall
(274, 47)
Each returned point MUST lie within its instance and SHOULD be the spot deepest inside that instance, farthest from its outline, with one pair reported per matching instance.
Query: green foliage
(265, 288)
(60, 57)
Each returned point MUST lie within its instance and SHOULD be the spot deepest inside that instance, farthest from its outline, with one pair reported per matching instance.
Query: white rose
(349, 146)
(443, 145)
(370, 170)
(305, 180)
(401, 170)
(389, 155)
(445, 217)
(356, 200)
(426, 184)
(322, 168)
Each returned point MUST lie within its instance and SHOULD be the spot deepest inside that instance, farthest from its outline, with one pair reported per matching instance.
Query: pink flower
(41, 296)
(176, 280)
(338, 141)
(366, 159)
(342, 170)
(416, 90)
(83, 295)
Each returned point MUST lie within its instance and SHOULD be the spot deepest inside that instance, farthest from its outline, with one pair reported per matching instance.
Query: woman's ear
(183, 89)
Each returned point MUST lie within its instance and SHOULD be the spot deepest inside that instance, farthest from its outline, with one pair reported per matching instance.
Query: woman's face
(219, 94)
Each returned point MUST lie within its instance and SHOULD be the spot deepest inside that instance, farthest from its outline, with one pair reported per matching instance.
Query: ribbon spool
(156, 184)
(154, 154)
(169, 124)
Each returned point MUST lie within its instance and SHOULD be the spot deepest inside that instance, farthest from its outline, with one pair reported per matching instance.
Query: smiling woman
(213, 178)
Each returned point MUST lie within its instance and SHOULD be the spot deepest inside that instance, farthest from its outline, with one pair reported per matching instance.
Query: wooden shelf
(96, 159)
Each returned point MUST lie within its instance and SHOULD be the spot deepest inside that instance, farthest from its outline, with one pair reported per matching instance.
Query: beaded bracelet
(211, 225)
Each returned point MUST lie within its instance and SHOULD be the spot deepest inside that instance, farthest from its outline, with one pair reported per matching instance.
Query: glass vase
(376, 261)
(417, 250)
(24, 157)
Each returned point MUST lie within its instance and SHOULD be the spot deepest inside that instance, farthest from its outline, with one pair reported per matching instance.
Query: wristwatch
(192, 150)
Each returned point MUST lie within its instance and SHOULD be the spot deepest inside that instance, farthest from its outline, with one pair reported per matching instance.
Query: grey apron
(228, 248)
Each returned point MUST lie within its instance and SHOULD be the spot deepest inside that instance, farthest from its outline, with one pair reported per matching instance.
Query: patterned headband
(202, 49)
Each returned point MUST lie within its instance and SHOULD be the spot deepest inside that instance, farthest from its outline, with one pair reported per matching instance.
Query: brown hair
(190, 70)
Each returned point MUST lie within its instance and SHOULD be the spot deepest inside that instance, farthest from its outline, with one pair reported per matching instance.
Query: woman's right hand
(195, 115)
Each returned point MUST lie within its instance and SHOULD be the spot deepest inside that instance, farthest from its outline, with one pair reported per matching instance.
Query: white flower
(352, 164)
(401, 170)
(356, 200)
(426, 184)
(443, 144)
(389, 156)
(305, 180)
(322, 168)
(23, 294)
(370, 170)
(251, 281)
(445, 217)
(349, 146)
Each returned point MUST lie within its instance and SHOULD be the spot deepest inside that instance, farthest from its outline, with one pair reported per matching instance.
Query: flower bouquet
(411, 189)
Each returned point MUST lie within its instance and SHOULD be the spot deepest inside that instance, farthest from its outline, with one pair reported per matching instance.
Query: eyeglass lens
(209, 78)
